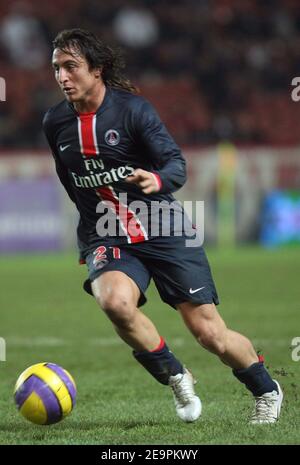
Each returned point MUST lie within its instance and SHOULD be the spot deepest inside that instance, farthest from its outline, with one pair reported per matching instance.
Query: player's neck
(92, 102)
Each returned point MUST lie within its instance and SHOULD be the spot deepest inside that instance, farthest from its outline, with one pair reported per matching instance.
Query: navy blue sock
(256, 378)
(159, 363)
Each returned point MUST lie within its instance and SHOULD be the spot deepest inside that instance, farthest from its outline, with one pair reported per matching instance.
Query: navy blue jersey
(95, 152)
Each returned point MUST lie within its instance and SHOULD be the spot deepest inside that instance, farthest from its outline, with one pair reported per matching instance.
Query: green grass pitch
(45, 316)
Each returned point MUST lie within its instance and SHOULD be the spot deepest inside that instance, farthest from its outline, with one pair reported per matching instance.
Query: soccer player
(111, 150)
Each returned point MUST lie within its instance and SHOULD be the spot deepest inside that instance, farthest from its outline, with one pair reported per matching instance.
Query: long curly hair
(97, 54)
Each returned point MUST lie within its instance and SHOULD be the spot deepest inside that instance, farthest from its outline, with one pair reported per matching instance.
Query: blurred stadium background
(219, 73)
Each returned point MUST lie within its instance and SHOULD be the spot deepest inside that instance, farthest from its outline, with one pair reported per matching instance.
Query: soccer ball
(45, 393)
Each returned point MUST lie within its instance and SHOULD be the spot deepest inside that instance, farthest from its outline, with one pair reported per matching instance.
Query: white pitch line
(113, 341)
(16, 341)
(272, 342)
(51, 341)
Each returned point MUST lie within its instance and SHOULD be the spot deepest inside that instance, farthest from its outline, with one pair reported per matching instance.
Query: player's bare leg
(118, 296)
(210, 330)
(237, 351)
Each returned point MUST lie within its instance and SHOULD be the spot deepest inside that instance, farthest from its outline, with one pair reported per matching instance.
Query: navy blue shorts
(180, 273)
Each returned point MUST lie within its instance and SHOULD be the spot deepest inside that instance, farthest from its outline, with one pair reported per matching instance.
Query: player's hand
(146, 180)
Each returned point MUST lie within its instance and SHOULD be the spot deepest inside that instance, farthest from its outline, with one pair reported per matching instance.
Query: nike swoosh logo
(192, 291)
(64, 147)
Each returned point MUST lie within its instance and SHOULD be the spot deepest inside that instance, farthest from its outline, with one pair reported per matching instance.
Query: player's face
(73, 75)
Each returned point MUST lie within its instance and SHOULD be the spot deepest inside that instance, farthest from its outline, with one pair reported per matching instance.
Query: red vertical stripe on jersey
(87, 135)
(129, 222)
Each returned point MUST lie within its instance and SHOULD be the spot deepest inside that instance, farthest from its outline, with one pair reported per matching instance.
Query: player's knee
(212, 339)
(118, 308)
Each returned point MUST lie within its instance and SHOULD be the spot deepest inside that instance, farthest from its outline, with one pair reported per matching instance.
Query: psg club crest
(112, 137)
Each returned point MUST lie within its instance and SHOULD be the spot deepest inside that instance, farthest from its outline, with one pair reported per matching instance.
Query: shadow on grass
(111, 424)
(72, 425)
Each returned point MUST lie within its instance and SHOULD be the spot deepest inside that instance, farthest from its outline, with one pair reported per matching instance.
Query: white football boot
(188, 405)
(267, 407)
